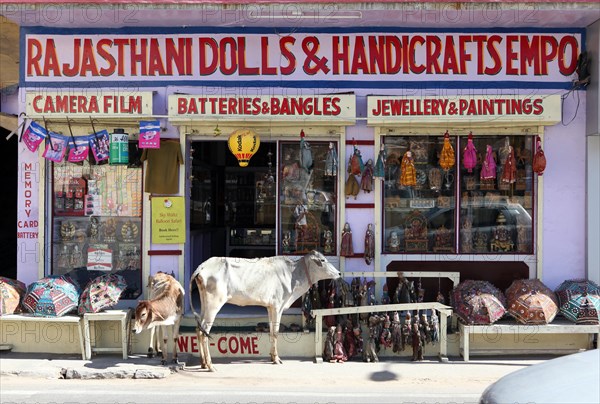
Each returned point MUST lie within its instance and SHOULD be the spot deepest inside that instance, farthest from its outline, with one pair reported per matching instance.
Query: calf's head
(143, 316)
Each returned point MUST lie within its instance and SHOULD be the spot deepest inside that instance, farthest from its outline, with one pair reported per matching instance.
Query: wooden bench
(67, 319)
(444, 312)
(558, 326)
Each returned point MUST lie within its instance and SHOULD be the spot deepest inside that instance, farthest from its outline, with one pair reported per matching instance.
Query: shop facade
(314, 99)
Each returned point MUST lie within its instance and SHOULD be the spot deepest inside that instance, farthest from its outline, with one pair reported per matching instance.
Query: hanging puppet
(306, 159)
(470, 154)
(366, 182)
(352, 188)
(346, 249)
(379, 171)
(356, 165)
(369, 244)
(509, 175)
(331, 161)
(447, 155)
(539, 159)
(488, 166)
(408, 173)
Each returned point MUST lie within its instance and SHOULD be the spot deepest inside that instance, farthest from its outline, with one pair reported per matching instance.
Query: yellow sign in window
(168, 220)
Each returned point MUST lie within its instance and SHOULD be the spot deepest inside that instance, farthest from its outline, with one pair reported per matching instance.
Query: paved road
(296, 381)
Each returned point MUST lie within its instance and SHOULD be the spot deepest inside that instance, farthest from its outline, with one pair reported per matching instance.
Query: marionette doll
(356, 165)
(306, 159)
(408, 173)
(366, 182)
(488, 166)
(509, 174)
(352, 188)
(396, 331)
(349, 342)
(447, 157)
(369, 244)
(470, 155)
(339, 352)
(328, 349)
(331, 161)
(417, 343)
(539, 159)
(346, 247)
(379, 171)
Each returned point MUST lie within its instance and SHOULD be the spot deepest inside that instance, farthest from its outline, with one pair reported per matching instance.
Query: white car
(568, 379)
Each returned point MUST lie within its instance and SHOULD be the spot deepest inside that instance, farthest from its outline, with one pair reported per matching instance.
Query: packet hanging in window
(34, 136)
(78, 149)
(56, 148)
(149, 135)
(100, 145)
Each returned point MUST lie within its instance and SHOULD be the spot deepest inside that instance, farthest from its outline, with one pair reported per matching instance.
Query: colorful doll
(379, 171)
(470, 154)
(408, 173)
(346, 248)
(488, 167)
(539, 159)
(331, 161)
(447, 155)
(369, 244)
(509, 175)
(366, 182)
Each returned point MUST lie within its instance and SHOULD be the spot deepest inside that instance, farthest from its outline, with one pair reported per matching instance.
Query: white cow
(272, 282)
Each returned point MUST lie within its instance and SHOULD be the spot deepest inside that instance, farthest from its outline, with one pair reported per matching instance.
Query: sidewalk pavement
(105, 366)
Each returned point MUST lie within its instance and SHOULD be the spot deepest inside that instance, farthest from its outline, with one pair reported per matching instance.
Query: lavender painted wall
(564, 196)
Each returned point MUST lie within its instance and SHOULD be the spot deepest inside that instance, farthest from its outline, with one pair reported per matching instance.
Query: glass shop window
(496, 195)
(419, 194)
(493, 188)
(96, 222)
(307, 197)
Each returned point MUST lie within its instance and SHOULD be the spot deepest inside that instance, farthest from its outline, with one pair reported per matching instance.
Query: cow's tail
(196, 315)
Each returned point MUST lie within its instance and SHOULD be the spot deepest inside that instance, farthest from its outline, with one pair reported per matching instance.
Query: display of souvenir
(393, 242)
(539, 159)
(419, 150)
(94, 228)
(470, 155)
(67, 230)
(435, 179)
(480, 241)
(331, 161)
(379, 171)
(447, 157)
(415, 233)
(408, 173)
(110, 230)
(470, 183)
(346, 249)
(501, 237)
(366, 182)
(443, 240)
(328, 242)
(129, 231)
(369, 244)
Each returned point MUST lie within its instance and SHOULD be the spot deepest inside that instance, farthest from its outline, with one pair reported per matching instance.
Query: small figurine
(306, 159)
(434, 327)
(331, 162)
(408, 173)
(379, 170)
(488, 167)
(339, 352)
(285, 242)
(328, 350)
(358, 340)
(349, 341)
(370, 352)
(406, 331)
(417, 344)
(470, 155)
(300, 212)
(447, 155)
(501, 237)
(509, 173)
(94, 230)
(366, 182)
(328, 243)
(369, 244)
(394, 242)
(396, 331)
(385, 338)
(346, 249)
(356, 165)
